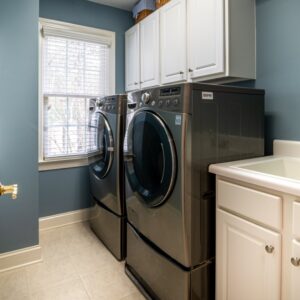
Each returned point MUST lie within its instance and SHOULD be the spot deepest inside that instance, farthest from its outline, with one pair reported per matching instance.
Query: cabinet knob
(191, 70)
(181, 72)
(295, 261)
(269, 249)
(136, 83)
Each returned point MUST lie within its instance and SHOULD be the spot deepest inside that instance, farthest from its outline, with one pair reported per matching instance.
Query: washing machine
(106, 170)
(173, 134)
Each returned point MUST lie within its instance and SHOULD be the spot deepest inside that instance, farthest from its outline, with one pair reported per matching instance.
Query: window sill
(62, 164)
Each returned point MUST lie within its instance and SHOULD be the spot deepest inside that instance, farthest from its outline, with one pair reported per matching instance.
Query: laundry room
(150, 149)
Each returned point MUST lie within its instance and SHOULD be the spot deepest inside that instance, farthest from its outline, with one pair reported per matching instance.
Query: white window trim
(81, 32)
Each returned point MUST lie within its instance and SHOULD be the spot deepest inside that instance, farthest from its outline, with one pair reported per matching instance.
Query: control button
(160, 103)
(175, 102)
(153, 103)
(141, 104)
(168, 102)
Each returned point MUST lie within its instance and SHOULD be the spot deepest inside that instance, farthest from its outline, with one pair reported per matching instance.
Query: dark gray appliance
(173, 134)
(106, 168)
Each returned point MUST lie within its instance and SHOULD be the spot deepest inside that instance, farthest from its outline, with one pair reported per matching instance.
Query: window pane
(77, 111)
(55, 65)
(73, 67)
(55, 141)
(76, 140)
(55, 111)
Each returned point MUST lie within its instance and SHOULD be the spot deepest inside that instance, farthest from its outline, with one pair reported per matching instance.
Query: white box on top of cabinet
(193, 40)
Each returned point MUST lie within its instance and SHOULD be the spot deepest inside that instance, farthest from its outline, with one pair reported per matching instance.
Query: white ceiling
(123, 4)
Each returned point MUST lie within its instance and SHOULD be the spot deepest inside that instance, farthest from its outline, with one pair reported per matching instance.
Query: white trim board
(26, 256)
(63, 219)
(20, 258)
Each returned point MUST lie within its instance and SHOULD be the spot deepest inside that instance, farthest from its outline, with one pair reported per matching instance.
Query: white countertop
(289, 150)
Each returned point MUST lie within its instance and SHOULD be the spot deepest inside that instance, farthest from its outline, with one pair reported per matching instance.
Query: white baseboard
(20, 258)
(26, 256)
(63, 219)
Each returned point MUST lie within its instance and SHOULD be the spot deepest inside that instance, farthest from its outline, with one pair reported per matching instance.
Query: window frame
(85, 33)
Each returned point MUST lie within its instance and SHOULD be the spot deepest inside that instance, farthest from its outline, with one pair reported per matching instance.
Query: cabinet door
(246, 269)
(295, 271)
(132, 59)
(205, 37)
(149, 36)
(173, 41)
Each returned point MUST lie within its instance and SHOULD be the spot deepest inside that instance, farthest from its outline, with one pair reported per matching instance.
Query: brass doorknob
(9, 189)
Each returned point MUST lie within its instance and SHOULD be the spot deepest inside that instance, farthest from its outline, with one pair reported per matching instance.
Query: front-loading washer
(106, 170)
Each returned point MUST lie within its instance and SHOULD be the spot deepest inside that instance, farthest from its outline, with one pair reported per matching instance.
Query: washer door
(105, 146)
(150, 159)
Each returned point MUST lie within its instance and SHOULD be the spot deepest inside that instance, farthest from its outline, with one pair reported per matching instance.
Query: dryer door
(150, 159)
(103, 139)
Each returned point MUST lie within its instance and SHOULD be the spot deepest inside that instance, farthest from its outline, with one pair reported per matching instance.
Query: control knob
(146, 97)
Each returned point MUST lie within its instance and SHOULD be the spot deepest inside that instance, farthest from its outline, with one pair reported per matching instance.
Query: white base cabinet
(248, 260)
(295, 271)
(256, 258)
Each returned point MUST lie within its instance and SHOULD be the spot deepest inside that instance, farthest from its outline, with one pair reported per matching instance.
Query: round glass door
(150, 159)
(104, 145)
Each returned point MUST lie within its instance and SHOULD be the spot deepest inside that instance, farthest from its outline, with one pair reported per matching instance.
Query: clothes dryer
(173, 134)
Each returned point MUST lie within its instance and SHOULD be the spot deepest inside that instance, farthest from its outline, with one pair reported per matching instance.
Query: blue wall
(278, 64)
(67, 190)
(278, 67)
(19, 122)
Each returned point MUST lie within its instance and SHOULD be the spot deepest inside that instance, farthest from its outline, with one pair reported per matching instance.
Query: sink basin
(287, 167)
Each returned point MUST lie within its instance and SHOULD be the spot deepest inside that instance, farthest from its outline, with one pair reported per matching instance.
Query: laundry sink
(287, 167)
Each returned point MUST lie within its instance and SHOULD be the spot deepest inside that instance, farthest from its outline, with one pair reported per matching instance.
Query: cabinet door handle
(295, 261)
(269, 249)
(136, 83)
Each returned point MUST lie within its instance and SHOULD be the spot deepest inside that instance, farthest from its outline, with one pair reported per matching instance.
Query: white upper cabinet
(132, 59)
(221, 40)
(149, 38)
(193, 40)
(173, 41)
(205, 37)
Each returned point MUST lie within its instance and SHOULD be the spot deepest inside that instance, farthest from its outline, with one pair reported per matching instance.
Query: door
(248, 260)
(150, 159)
(149, 35)
(173, 41)
(132, 59)
(101, 136)
(205, 37)
(295, 271)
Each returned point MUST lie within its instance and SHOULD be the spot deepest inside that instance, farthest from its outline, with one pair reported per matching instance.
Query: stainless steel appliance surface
(172, 135)
(106, 168)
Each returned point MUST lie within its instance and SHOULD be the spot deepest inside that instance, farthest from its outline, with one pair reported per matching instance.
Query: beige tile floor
(76, 266)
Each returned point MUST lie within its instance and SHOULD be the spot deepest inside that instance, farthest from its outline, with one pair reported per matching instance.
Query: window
(77, 65)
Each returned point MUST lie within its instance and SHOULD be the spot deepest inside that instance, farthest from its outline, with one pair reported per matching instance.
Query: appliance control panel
(167, 99)
(111, 104)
